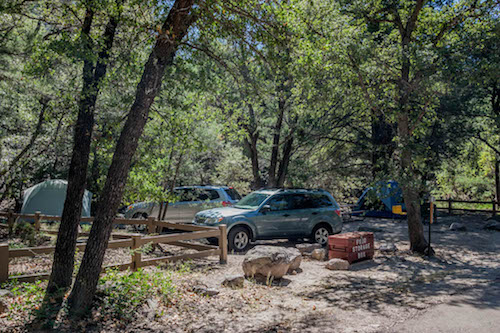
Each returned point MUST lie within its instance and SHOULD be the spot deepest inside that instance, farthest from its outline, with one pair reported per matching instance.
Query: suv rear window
(321, 200)
(197, 194)
(233, 194)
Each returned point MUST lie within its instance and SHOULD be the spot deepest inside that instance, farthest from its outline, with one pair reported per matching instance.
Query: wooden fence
(449, 207)
(132, 241)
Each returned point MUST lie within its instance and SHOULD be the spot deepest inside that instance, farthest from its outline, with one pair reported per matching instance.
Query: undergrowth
(120, 294)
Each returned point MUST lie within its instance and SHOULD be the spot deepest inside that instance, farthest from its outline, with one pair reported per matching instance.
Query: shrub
(122, 293)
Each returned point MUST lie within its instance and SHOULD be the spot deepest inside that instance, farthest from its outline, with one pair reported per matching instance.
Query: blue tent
(378, 201)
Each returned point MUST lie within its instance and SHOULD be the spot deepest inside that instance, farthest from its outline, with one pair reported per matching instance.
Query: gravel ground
(377, 295)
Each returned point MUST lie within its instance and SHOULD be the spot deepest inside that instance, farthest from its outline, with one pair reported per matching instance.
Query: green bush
(122, 293)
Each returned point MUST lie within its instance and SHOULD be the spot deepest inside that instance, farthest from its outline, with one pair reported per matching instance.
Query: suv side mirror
(265, 209)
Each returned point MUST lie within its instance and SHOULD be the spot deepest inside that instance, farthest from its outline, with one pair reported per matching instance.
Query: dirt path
(477, 311)
(375, 296)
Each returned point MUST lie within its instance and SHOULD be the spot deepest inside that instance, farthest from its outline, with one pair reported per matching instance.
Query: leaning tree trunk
(62, 267)
(173, 30)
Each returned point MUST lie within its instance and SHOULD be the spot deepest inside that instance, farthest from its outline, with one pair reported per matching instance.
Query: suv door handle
(314, 213)
(286, 215)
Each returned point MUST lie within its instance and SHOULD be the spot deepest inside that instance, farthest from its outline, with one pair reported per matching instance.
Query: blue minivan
(277, 213)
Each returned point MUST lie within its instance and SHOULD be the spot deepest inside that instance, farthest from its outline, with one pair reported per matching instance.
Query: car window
(233, 194)
(187, 194)
(320, 200)
(209, 194)
(280, 202)
(252, 201)
(302, 201)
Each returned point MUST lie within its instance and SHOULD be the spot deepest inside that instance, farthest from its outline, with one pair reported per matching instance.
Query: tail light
(337, 211)
(226, 203)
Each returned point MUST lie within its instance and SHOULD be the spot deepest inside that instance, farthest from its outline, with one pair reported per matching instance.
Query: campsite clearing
(379, 295)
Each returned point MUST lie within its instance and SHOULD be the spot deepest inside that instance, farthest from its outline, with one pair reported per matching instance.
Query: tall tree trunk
(62, 267)
(283, 169)
(173, 30)
(172, 183)
(410, 188)
(251, 145)
(272, 182)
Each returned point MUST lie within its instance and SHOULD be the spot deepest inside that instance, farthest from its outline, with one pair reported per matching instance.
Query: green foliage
(333, 65)
(121, 293)
(28, 297)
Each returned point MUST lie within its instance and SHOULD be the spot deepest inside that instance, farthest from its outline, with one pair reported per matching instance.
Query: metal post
(494, 204)
(449, 206)
(431, 220)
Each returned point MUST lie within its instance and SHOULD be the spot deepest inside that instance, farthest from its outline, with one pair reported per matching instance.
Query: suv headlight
(214, 220)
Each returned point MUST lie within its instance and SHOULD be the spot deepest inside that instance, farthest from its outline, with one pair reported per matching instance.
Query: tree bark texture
(410, 189)
(62, 267)
(272, 181)
(173, 30)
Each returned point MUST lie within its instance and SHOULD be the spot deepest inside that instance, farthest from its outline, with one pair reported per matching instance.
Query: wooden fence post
(10, 220)
(494, 204)
(151, 224)
(223, 244)
(37, 220)
(449, 206)
(136, 255)
(4, 262)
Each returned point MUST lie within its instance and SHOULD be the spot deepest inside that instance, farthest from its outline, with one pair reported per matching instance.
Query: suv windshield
(252, 201)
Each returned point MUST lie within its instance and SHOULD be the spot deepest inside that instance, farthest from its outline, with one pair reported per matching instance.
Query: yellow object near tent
(398, 209)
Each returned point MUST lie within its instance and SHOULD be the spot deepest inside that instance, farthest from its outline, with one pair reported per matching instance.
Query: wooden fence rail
(450, 208)
(133, 241)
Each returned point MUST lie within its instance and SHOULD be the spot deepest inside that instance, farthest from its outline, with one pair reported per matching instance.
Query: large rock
(455, 226)
(271, 261)
(204, 291)
(5, 293)
(308, 248)
(234, 281)
(318, 254)
(492, 225)
(295, 257)
(3, 306)
(337, 264)
(388, 247)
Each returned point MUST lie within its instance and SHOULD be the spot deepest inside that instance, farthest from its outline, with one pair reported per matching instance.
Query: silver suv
(277, 213)
(191, 200)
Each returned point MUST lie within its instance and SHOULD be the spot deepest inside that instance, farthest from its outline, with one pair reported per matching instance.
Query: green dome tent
(48, 198)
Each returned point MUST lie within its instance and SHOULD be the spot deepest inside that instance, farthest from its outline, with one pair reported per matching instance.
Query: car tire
(238, 239)
(139, 227)
(320, 234)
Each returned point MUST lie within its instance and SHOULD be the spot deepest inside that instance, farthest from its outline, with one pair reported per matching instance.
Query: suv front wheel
(320, 234)
(238, 239)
